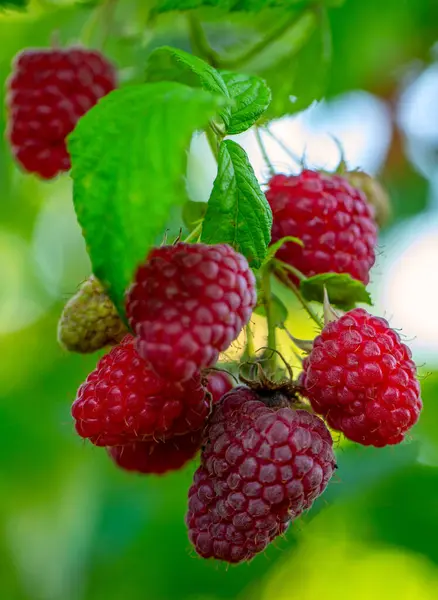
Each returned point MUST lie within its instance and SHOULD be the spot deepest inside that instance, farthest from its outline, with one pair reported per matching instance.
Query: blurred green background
(74, 528)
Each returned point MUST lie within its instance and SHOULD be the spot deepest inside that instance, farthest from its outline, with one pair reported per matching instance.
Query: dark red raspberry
(260, 469)
(157, 457)
(361, 377)
(124, 401)
(48, 91)
(331, 217)
(218, 384)
(187, 304)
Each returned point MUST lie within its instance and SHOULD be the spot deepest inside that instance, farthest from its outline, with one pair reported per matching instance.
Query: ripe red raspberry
(124, 401)
(260, 469)
(333, 219)
(218, 384)
(187, 304)
(157, 457)
(360, 376)
(48, 91)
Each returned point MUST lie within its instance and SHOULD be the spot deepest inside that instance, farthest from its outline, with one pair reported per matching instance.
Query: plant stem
(267, 301)
(282, 275)
(250, 348)
(199, 42)
(290, 268)
(212, 141)
(283, 146)
(272, 36)
(263, 151)
(194, 234)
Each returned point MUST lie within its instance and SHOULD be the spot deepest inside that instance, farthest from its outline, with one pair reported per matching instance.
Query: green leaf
(238, 212)
(342, 289)
(274, 248)
(252, 97)
(129, 157)
(304, 47)
(13, 4)
(171, 64)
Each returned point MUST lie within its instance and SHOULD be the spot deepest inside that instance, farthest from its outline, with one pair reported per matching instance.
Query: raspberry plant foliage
(182, 279)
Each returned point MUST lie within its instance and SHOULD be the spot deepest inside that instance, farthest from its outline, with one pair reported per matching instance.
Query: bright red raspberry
(188, 303)
(218, 384)
(361, 378)
(157, 457)
(124, 401)
(48, 91)
(331, 217)
(261, 468)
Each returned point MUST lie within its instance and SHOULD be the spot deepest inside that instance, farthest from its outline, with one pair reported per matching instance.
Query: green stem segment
(267, 301)
(194, 234)
(199, 42)
(212, 141)
(250, 348)
(263, 151)
(283, 276)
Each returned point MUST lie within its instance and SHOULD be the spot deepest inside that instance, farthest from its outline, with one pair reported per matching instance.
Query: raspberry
(333, 220)
(157, 457)
(187, 304)
(90, 320)
(48, 91)
(218, 384)
(124, 401)
(361, 378)
(260, 469)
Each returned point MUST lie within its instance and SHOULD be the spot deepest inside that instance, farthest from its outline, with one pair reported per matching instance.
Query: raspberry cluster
(152, 421)
(48, 91)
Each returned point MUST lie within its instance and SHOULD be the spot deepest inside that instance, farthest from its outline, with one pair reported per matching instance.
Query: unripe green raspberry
(89, 320)
(375, 193)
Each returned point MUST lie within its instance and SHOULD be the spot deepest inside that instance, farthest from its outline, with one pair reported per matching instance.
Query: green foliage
(170, 64)
(122, 199)
(238, 212)
(279, 312)
(13, 4)
(298, 75)
(225, 5)
(343, 291)
(252, 97)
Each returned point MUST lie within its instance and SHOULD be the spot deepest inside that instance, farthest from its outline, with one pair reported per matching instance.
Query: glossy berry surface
(260, 468)
(157, 457)
(124, 401)
(187, 304)
(47, 93)
(333, 220)
(362, 379)
(218, 384)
